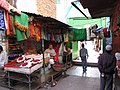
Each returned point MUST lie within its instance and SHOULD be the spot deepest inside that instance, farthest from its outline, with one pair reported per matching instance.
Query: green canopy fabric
(79, 34)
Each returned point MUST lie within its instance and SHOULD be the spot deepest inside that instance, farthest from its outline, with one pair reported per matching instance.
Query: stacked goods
(27, 61)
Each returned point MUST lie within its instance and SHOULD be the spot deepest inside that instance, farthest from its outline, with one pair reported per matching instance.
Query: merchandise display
(25, 64)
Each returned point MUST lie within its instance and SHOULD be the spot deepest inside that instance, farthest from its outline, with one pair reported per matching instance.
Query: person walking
(84, 55)
(106, 66)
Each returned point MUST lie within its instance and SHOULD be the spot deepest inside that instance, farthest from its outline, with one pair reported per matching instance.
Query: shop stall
(26, 36)
(23, 69)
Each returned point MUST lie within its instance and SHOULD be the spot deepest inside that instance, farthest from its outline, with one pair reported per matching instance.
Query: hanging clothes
(3, 25)
(57, 47)
(115, 27)
(21, 26)
(106, 33)
(48, 36)
(79, 34)
(66, 37)
(38, 33)
(118, 22)
(38, 30)
(11, 28)
(4, 4)
(31, 29)
(58, 38)
(43, 34)
(52, 37)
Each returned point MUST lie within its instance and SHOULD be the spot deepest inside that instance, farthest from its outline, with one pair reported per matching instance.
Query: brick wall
(47, 8)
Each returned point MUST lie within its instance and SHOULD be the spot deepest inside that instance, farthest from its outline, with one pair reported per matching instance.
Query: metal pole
(9, 79)
(29, 77)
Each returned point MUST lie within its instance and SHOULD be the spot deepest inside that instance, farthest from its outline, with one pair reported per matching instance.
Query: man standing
(84, 54)
(106, 65)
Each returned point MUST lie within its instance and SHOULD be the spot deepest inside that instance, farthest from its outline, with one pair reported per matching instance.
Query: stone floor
(77, 71)
(78, 81)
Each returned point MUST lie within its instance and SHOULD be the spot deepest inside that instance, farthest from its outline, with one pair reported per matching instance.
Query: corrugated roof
(49, 21)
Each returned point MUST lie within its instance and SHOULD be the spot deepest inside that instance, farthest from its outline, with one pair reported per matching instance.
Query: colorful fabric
(79, 34)
(115, 27)
(32, 29)
(2, 20)
(22, 21)
(52, 37)
(43, 35)
(38, 33)
(106, 33)
(48, 37)
(57, 52)
(11, 29)
(20, 27)
(4, 4)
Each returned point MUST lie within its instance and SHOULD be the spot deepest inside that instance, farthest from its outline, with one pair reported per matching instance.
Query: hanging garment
(57, 47)
(55, 37)
(38, 33)
(52, 37)
(66, 37)
(59, 39)
(2, 20)
(4, 4)
(48, 36)
(79, 34)
(31, 29)
(21, 26)
(118, 22)
(115, 27)
(106, 33)
(11, 29)
(43, 35)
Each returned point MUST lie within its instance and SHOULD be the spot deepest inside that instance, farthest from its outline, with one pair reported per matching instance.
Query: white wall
(27, 5)
(60, 10)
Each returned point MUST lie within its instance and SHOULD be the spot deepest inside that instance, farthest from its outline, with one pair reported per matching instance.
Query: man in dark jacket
(84, 55)
(106, 65)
